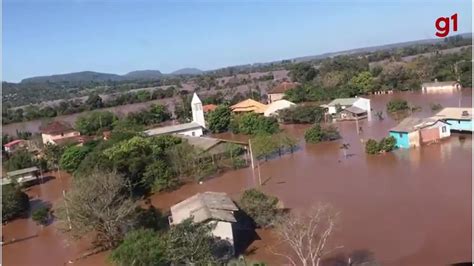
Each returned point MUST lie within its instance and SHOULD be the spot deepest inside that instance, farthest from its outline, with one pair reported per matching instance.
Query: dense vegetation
(14, 202)
(316, 134)
(252, 123)
(397, 105)
(302, 114)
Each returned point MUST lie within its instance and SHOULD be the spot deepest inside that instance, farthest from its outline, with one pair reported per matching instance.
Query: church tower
(198, 113)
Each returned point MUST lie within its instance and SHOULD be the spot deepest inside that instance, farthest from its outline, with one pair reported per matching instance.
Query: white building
(344, 103)
(276, 106)
(194, 128)
(57, 131)
(208, 207)
(439, 87)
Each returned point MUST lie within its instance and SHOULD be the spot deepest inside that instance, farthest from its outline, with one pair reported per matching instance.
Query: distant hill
(143, 74)
(187, 71)
(84, 76)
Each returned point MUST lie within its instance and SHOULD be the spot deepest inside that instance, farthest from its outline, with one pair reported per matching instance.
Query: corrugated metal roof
(22, 171)
(205, 206)
(355, 110)
(249, 105)
(410, 124)
(342, 101)
(460, 113)
(172, 129)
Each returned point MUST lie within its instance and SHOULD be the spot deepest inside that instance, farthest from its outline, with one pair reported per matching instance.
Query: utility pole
(67, 210)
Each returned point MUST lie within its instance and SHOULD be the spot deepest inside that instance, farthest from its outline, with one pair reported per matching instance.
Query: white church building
(193, 128)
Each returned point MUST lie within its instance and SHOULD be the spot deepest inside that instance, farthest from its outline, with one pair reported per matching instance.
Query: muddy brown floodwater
(408, 207)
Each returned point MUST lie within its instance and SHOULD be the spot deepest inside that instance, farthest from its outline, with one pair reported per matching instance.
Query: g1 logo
(442, 25)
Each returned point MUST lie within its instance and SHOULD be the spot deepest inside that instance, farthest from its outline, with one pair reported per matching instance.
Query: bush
(252, 123)
(397, 105)
(93, 123)
(302, 114)
(435, 107)
(372, 147)
(19, 160)
(140, 247)
(14, 202)
(260, 207)
(385, 145)
(41, 215)
(317, 134)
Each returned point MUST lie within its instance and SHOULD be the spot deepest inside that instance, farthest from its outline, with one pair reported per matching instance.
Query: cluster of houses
(414, 131)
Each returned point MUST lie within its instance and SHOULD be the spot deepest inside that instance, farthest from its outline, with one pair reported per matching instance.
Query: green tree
(302, 114)
(264, 145)
(52, 154)
(94, 101)
(14, 202)
(302, 72)
(142, 247)
(159, 177)
(363, 83)
(192, 243)
(387, 144)
(94, 122)
(72, 157)
(19, 160)
(219, 119)
(252, 123)
(262, 208)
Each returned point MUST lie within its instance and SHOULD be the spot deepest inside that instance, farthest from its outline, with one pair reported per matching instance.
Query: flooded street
(407, 207)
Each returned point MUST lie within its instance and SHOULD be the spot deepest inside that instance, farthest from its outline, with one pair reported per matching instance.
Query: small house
(21, 176)
(249, 105)
(274, 107)
(56, 131)
(413, 131)
(338, 105)
(443, 86)
(459, 118)
(208, 207)
(352, 113)
(15, 145)
(277, 93)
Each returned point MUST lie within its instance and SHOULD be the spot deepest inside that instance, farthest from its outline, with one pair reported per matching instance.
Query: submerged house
(193, 128)
(58, 132)
(277, 93)
(274, 107)
(440, 86)
(413, 131)
(459, 118)
(208, 207)
(361, 108)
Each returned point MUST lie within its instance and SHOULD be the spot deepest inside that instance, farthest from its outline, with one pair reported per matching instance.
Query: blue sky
(52, 37)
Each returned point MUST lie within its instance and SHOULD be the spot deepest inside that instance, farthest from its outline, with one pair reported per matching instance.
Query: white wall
(224, 231)
(364, 104)
(50, 138)
(447, 88)
(440, 126)
(193, 132)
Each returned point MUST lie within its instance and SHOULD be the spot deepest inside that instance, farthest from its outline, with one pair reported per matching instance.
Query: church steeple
(198, 113)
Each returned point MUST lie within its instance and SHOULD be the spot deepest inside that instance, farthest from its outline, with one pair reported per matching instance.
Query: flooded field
(408, 207)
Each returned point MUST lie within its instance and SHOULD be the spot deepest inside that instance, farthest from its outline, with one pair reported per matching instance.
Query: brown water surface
(408, 207)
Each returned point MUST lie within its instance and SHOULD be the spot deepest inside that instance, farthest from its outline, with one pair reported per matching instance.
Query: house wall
(429, 134)
(275, 97)
(50, 138)
(447, 88)
(414, 138)
(193, 132)
(447, 129)
(401, 138)
(364, 104)
(462, 125)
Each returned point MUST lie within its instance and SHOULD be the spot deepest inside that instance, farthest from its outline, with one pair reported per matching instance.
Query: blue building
(459, 118)
(413, 131)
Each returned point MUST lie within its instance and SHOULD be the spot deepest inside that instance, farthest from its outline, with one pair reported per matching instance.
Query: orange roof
(249, 105)
(283, 87)
(209, 107)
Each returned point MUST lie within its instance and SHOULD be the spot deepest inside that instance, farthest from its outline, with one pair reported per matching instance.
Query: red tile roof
(56, 127)
(283, 87)
(209, 107)
(13, 143)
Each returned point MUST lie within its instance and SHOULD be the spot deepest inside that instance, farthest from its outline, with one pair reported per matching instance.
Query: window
(401, 135)
(193, 133)
(443, 129)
